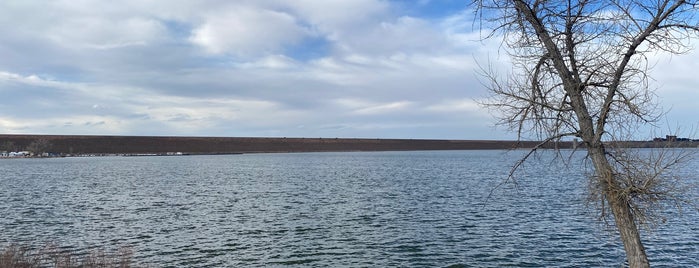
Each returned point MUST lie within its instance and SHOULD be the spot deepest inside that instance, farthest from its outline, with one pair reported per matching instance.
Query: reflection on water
(374, 209)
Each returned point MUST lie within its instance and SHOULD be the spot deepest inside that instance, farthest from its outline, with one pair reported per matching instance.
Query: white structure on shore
(15, 154)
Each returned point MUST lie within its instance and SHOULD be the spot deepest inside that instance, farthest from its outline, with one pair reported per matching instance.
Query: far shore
(11, 146)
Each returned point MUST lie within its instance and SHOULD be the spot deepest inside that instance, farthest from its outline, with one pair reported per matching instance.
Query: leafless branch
(580, 68)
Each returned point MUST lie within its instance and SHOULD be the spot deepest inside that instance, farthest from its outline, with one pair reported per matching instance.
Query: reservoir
(351, 209)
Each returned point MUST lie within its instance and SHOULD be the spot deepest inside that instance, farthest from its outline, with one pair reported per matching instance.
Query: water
(378, 209)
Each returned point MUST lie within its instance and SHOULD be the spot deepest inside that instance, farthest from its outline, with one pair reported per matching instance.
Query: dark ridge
(86, 144)
(82, 144)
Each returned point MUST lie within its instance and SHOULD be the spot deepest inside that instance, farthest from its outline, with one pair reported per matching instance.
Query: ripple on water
(392, 209)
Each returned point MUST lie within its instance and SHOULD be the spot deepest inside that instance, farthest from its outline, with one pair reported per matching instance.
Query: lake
(356, 209)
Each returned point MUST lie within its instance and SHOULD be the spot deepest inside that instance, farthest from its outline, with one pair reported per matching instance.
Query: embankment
(82, 144)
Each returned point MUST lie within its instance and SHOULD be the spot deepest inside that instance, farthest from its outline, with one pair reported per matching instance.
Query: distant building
(19, 154)
(673, 138)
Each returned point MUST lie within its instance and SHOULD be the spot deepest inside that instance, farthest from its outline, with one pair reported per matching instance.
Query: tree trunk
(624, 220)
(635, 252)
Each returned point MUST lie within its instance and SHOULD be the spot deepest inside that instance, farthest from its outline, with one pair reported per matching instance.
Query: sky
(264, 68)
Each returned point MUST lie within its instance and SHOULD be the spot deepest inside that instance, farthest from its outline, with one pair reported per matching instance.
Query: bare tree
(580, 69)
(8, 146)
(39, 147)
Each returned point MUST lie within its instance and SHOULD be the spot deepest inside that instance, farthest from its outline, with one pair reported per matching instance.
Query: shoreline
(83, 145)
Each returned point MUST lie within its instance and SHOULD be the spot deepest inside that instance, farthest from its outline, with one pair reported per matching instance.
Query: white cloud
(674, 79)
(79, 24)
(335, 17)
(246, 31)
(463, 105)
(232, 68)
(363, 107)
(95, 109)
(276, 61)
(393, 107)
(105, 33)
(404, 34)
(11, 126)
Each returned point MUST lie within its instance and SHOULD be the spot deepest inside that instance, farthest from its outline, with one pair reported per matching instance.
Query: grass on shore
(15, 256)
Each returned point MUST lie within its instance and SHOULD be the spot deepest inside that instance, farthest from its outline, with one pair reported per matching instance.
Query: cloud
(79, 24)
(463, 105)
(338, 17)
(98, 33)
(276, 61)
(89, 108)
(246, 31)
(362, 107)
(335, 68)
(674, 81)
(404, 35)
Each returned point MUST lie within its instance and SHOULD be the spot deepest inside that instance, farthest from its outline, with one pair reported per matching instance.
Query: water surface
(370, 209)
